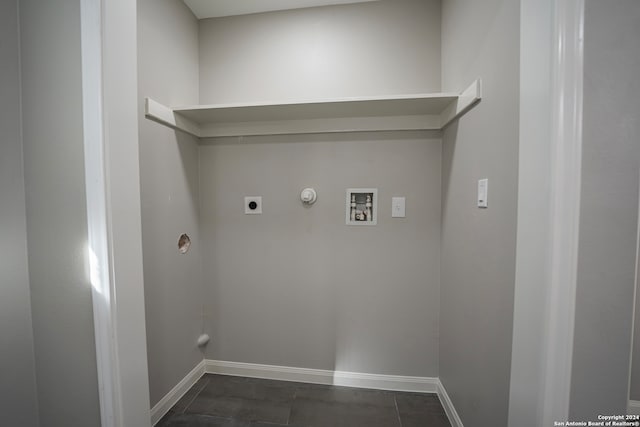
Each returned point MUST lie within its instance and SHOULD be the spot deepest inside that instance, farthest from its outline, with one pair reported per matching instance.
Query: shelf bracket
(164, 115)
(465, 102)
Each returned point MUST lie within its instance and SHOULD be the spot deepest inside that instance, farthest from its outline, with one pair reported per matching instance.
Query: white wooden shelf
(431, 111)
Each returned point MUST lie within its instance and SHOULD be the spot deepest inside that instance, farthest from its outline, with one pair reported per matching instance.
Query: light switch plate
(483, 193)
(398, 207)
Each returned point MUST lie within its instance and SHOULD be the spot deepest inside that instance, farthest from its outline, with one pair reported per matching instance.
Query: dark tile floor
(225, 401)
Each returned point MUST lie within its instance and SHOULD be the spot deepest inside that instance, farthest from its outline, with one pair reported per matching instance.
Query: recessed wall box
(362, 206)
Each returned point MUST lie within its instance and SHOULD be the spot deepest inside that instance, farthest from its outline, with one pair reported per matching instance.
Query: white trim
(566, 139)
(466, 101)
(162, 407)
(306, 375)
(157, 112)
(533, 240)
(113, 209)
(447, 404)
(633, 408)
(326, 125)
(549, 198)
(98, 248)
(222, 8)
(430, 111)
(321, 376)
(632, 403)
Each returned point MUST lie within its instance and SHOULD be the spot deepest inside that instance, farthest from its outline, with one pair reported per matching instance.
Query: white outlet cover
(247, 203)
(398, 207)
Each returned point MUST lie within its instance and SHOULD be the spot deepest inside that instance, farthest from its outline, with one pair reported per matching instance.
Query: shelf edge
(462, 104)
(328, 125)
(345, 100)
(157, 112)
(468, 99)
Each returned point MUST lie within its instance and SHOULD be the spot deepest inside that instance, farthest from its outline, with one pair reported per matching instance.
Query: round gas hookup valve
(308, 196)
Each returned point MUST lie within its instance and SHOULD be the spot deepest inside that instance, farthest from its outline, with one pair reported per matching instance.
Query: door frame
(110, 123)
(551, 94)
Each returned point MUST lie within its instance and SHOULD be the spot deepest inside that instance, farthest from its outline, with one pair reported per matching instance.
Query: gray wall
(376, 48)
(56, 213)
(363, 62)
(168, 73)
(369, 302)
(295, 286)
(478, 245)
(18, 402)
(608, 211)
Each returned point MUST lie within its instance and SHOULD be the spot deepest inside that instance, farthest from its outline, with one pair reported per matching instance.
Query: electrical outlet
(253, 205)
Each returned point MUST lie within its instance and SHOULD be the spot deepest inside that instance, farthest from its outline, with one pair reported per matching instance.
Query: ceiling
(216, 8)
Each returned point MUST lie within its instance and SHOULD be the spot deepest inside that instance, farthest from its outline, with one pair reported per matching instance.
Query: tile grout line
(395, 401)
(295, 395)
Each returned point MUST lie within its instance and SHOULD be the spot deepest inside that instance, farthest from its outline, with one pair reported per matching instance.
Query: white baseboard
(447, 404)
(320, 376)
(633, 408)
(305, 375)
(171, 398)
